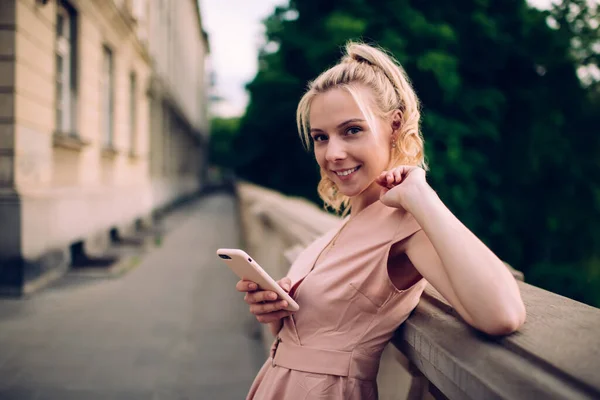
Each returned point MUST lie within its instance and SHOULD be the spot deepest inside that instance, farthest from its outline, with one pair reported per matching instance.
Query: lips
(344, 174)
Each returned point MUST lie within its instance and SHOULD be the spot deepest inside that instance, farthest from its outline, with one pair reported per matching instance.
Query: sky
(235, 34)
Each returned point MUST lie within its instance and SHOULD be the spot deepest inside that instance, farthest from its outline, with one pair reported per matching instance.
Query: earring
(393, 145)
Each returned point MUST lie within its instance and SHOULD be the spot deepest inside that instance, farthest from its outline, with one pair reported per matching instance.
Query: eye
(319, 137)
(354, 130)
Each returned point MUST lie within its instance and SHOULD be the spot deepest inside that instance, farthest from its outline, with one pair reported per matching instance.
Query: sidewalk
(172, 328)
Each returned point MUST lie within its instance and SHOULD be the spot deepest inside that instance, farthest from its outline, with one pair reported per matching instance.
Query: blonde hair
(366, 65)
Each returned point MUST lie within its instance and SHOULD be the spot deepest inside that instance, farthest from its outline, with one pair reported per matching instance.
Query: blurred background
(121, 121)
(114, 110)
(511, 117)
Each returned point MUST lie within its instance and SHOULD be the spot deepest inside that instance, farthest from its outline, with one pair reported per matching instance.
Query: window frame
(107, 103)
(66, 99)
(133, 112)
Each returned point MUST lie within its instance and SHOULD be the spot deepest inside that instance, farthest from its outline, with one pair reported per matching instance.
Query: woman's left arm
(459, 265)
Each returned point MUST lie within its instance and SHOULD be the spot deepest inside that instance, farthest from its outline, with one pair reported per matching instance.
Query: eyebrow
(341, 125)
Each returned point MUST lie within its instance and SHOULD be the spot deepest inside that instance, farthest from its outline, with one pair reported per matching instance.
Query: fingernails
(284, 304)
(286, 286)
(253, 286)
(272, 296)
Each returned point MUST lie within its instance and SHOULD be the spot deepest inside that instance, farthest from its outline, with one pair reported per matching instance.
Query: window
(66, 92)
(107, 98)
(132, 113)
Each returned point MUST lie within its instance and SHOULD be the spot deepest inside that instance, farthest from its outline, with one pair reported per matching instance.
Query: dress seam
(367, 329)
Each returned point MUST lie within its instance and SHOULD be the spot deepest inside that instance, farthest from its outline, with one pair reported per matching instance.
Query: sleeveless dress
(349, 310)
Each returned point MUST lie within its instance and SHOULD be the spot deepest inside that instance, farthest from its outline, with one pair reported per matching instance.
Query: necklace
(350, 218)
(335, 238)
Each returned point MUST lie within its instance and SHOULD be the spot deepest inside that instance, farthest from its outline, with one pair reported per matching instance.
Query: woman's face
(346, 148)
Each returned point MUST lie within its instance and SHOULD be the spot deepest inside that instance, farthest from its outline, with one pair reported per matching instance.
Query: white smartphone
(247, 269)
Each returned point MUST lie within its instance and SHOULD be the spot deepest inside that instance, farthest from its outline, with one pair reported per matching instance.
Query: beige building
(102, 121)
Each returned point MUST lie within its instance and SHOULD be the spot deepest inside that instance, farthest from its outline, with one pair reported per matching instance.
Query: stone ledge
(541, 360)
(69, 141)
(109, 152)
(134, 155)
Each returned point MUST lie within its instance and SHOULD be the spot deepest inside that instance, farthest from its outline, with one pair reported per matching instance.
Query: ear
(396, 120)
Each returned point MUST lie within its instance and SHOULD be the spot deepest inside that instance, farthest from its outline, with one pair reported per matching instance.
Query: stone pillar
(10, 210)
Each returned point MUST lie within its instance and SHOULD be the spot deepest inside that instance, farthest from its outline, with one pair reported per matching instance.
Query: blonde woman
(359, 282)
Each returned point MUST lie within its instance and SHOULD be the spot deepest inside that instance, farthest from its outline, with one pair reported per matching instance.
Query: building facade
(102, 122)
(178, 93)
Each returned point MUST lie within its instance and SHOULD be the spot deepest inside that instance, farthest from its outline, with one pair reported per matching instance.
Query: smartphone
(247, 269)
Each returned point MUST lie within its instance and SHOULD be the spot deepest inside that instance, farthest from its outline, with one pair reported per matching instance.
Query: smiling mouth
(347, 172)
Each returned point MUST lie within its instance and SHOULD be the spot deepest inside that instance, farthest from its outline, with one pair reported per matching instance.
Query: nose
(335, 150)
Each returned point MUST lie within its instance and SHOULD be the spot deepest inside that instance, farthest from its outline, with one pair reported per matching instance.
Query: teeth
(346, 172)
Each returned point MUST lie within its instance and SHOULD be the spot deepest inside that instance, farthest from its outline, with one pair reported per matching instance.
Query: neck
(367, 197)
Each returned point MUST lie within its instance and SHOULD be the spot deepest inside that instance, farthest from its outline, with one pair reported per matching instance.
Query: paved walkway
(172, 328)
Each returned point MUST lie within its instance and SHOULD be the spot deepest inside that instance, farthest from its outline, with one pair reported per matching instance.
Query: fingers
(264, 304)
(285, 283)
(394, 176)
(390, 178)
(382, 179)
(246, 286)
(260, 296)
(272, 317)
(266, 308)
(379, 180)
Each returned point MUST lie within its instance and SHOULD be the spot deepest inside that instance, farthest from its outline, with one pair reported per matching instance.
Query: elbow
(508, 322)
(503, 328)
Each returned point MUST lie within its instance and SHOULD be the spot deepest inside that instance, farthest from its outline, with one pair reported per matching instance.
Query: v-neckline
(336, 235)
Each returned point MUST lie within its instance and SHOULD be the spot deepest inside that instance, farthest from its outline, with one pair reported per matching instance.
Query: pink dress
(349, 310)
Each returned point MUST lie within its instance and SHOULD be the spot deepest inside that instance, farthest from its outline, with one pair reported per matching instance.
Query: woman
(358, 283)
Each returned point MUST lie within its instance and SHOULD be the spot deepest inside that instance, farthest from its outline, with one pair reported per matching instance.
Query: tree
(223, 133)
(579, 21)
(511, 134)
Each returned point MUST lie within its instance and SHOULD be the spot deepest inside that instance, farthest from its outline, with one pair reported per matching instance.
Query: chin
(351, 191)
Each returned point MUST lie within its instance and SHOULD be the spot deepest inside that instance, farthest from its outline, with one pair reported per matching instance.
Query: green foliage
(511, 134)
(223, 134)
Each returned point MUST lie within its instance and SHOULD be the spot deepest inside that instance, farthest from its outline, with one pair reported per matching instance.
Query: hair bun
(359, 52)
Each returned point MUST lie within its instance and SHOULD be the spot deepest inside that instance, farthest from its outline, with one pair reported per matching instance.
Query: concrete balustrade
(434, 354)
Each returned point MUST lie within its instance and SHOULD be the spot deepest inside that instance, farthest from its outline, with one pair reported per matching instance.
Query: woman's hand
(265, 304)
(401, 186)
